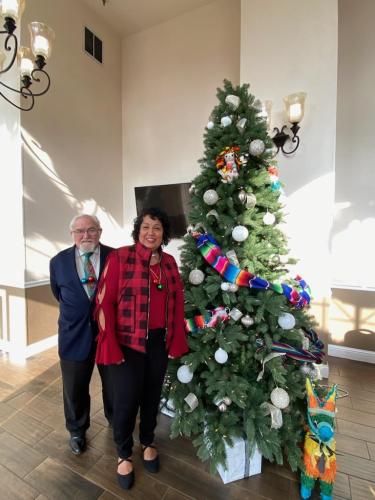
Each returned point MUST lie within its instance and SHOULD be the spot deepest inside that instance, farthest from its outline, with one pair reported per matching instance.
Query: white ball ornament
(210, 125)
(210, 197)
(247, 321)
(196, 277)
(233, 287)
(240, 233)
(221, 356)
(192, 189)
(280, 398)
(226, 121)
(256, 147)
(269, 219)
(227, 401)
(225, 286)
(184, 374)
(286, 321)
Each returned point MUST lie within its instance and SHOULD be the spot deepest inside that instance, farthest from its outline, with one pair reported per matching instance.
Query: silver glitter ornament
(280, 398)
(233, 101)
(241, 124)
(210, 197)
(196, 277)
(251, 200)
(242, 196)
(256, 147)
(222, 407)
(247, 320)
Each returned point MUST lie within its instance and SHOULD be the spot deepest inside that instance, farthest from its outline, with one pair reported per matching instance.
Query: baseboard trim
(339, 351)
(19, 354)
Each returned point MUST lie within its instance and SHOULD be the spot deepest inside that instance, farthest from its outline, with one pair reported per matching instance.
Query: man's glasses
(90, 231)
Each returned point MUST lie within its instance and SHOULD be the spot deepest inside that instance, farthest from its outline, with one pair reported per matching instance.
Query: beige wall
(169, 80)
(72, 139)
(42, 313)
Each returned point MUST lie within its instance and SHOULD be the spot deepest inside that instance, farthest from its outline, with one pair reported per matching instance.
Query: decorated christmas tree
(250, 336)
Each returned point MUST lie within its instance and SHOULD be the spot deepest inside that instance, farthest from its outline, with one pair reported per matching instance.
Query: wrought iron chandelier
(34, 80)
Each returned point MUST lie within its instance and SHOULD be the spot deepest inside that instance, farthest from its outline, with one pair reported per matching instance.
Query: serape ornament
(210, 319)
(210, 250)
(299, 354)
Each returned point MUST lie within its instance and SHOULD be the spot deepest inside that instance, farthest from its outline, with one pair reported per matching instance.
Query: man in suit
(74, 273)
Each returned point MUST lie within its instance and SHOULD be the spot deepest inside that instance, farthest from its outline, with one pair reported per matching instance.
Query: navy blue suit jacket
(77, 330)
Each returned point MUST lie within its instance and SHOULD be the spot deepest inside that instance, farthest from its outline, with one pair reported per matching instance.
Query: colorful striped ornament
(212, 253)
(299, 354)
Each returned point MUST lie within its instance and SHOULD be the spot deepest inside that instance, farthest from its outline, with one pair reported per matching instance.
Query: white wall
(72, 139)
(288, 47)
(169, 80)
(12, 252)
(353, 240)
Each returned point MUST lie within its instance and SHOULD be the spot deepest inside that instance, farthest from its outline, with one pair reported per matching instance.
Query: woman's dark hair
(154, 213)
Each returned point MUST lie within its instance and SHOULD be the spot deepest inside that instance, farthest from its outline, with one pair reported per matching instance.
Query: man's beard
(87, 246)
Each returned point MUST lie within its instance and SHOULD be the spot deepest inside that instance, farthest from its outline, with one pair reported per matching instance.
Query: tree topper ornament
(228, 164)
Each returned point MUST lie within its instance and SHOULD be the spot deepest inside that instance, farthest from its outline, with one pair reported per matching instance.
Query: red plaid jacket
(122, 304)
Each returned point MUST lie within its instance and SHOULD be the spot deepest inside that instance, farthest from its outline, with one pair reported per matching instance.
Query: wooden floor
(35, 461)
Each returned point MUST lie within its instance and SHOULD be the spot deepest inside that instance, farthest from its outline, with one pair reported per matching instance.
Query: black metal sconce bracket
(281, 137)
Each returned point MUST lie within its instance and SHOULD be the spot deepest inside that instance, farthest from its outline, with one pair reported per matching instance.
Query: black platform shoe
(151, 465)
(126, 481)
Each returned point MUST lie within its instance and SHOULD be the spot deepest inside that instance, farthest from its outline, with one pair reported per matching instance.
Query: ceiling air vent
(93, 45)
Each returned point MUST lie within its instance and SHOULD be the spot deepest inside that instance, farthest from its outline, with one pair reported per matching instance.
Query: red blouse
(158, 298)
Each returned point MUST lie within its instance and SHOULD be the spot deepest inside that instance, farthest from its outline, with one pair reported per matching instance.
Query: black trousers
(137, 384)
(76, 377)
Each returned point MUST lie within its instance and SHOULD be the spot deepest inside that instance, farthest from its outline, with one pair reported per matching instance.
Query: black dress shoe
(126, 481)
(153, 465)
(77, 444)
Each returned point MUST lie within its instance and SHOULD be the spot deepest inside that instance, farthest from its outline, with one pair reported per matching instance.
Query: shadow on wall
(50, 204)
(352, 319)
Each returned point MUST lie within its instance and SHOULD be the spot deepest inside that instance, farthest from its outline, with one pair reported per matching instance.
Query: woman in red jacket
(140, 312)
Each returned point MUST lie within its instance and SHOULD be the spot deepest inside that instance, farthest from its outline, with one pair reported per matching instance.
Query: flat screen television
(174, 199)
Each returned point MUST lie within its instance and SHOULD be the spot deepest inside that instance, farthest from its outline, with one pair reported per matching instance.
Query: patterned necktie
(90, 275)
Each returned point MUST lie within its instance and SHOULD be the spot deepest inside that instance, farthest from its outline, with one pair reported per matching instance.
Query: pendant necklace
(156, 279)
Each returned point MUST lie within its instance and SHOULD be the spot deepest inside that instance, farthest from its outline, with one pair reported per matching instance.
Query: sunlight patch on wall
(353, 251)
(309, 217)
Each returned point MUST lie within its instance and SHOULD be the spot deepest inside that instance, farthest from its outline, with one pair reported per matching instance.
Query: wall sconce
(294, 107)
(31, 61)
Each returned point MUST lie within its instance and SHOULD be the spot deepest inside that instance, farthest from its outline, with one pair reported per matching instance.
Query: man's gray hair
(80, 216)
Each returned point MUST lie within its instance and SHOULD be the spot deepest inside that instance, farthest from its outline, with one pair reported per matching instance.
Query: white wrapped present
(167, 407)
(240, 463)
